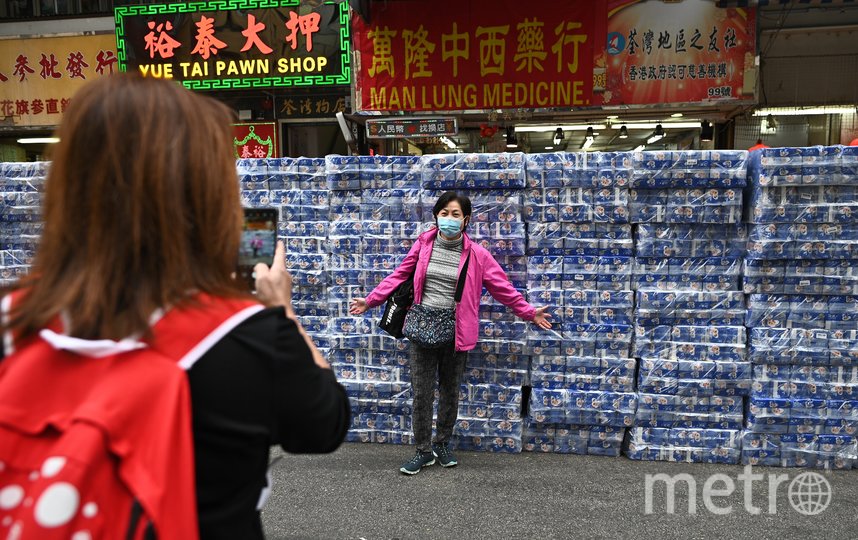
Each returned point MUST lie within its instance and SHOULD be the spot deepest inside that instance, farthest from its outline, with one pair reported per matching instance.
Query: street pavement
(358, 493)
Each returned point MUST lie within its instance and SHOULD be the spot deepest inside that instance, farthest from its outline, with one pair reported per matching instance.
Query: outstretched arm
(498, 285)
(389, 284)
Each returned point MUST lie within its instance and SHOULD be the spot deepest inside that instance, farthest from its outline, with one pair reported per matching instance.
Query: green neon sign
(286, 44)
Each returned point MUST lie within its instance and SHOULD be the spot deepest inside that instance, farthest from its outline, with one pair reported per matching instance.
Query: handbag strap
(460, 286)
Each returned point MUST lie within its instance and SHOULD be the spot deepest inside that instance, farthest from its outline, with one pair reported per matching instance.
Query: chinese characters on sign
(252, 35)
(712, 70)
(518, 55)
(255, 140)
(411, 128)
(652, 59)
(164, 46)
(312, 106)
(75, 65)
(25, 107)
(39, 76)
(306, 24)
(210, 46)
(680, 72)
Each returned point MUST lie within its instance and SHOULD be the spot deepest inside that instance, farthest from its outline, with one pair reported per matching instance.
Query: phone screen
(258, 241)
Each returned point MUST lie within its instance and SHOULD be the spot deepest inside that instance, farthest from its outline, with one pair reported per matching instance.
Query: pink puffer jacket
(483, 271)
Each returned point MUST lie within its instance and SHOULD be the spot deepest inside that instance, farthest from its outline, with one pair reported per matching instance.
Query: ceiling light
(707, 131)
(695, 124)
(639, 148)
(624, 132)
(549, 129)
(803, 111)
(450, 144)
(39, 140)
(549, 148)
(771, 123)
(511, 140)
(676, 115)
(657, 135)
(613, 117)
(588, 142)
(590, 133)
(654, 138)
(558, 136)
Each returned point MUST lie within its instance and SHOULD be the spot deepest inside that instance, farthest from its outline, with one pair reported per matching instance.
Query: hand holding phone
(274, 288)
(274, 284)
(258, 239)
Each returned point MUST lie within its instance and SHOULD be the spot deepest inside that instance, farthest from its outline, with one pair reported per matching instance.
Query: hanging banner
(481, 54)
(39, 76)
(216, 45)
(688, 52)
(255, 140)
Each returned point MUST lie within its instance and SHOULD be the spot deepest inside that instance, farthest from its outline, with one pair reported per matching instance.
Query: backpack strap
(8, 341)
(460, 286)
(188, 332)
(183, 333)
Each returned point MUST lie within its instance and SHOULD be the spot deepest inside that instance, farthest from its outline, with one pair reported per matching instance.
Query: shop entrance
(312, 139)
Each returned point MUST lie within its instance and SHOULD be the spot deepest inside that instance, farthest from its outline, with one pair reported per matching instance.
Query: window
(49, 8)
(27, 9)
(19, 8)
(94, 6)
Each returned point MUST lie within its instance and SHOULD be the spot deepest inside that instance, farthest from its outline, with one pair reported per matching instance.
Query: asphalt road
(358, 493)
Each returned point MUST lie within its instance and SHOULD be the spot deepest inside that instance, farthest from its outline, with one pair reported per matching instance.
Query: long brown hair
(141, 207)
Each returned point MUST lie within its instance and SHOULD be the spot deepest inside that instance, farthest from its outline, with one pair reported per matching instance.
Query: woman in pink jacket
(436, 259)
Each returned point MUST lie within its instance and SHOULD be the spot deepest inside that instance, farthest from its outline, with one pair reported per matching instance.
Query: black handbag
(432, 328)
(393, 319)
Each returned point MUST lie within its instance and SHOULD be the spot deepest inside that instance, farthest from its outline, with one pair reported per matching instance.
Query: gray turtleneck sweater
(439, 289)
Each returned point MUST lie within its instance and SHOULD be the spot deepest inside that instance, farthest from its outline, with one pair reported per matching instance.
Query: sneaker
(420, 460)
(444, 455)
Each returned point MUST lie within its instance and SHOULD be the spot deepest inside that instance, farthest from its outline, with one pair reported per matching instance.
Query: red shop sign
(256, 140)
(480, 54)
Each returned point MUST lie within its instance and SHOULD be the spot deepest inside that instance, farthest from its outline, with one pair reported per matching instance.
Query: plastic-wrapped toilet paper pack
(473, 171)
(572, 439)
(21, 188)
(692, 445)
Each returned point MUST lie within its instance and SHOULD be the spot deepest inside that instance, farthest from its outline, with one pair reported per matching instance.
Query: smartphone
(258, 241)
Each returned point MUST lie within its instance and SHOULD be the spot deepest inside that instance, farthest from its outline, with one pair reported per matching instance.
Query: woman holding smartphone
(139, 252)
(437, 260)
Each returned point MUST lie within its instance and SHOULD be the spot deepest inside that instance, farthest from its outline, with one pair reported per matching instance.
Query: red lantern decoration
(487, 131)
